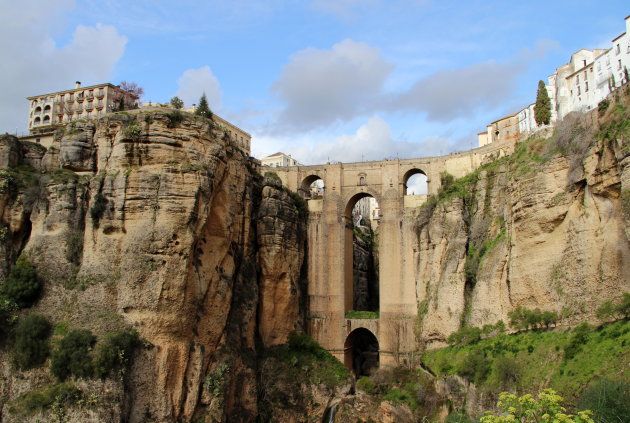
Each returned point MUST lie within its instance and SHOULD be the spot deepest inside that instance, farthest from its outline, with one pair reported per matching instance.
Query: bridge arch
(415, 181)
(311, 187)
(361, 352)
(361, 270)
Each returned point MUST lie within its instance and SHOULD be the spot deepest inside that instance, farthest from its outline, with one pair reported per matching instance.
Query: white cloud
(321, 87)
(371, 141)
(449, 94)
(34, 64)
(194, 82)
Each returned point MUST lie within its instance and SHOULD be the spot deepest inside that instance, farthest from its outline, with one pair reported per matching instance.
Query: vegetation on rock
(22, 285)
(72, 355)
(203, 109)
(31, 345)
(115, 352)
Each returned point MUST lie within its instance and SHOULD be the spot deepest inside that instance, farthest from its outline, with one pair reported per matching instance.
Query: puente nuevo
(330, 246)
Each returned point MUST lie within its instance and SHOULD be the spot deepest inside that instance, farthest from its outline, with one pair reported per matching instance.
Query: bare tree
(127, 96)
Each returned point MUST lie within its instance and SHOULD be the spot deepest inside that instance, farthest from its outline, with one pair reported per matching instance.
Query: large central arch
(361, 352)
(350, 300)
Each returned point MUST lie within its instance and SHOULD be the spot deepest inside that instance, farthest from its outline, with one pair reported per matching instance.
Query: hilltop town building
(279, 160)
(577, 86)
(65, 106)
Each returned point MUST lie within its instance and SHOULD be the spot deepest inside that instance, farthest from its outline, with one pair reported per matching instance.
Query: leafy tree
(203, 109)
(542, 108)
(607, 310)
(527, 409)
(579, 338)
(475, 367)
(22, 286)
(115, 352)
(8, 315)
(508, 371)
(31, 341)
(72, 356)
(624, 306)
(609, 400)
(177, 102)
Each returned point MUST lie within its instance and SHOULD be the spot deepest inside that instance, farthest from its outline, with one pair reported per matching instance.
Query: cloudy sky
(323, 80)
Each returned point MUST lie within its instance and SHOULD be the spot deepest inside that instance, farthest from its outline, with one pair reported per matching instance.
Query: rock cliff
(546, 227)
(157, 222)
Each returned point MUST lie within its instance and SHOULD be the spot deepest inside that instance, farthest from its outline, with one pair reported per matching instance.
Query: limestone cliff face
(551, 235)
(147, 220)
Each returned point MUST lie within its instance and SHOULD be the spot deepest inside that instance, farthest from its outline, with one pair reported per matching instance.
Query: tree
(542, 109)
(72, 356)
(31, 341)
(203, 109)
(527, 409)
(127, 96)
(22, 285)
(177, 102)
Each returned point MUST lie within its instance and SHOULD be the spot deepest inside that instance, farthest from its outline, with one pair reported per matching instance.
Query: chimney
(77, 84)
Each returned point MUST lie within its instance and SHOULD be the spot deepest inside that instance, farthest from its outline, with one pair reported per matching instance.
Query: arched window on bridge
(361, 284)
(361, 352)
(312, 187)
(416, 182)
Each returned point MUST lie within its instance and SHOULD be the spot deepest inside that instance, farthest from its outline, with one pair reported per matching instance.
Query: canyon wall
(544, 228)
(156, 222)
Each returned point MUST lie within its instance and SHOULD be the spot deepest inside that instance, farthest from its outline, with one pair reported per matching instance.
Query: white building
(279, 160)
(526, 120)
(620, 55)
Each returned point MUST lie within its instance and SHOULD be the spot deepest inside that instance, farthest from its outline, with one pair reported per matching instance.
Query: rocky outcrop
(545, 233)
(148, 221)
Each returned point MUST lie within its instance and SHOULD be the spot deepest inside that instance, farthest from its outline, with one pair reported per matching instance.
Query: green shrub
(366, 384)
(177, 102)
(98, 208)
(270, 174)
(22, 286)
(74, 246)
(465, 336)
(8, 315)
(459, 416)
(58, 394)
(31, 341)
(475, 367)
(526, 409)
(72, 356)
(603, 106)
(608, 399)
(132, 131)
(115, 352)
(508, 371)
(174, 118)
(398, 396)
(623, 307)
(579, 338)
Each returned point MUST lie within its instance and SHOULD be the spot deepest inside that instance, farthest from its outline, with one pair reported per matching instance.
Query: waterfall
(329, 414)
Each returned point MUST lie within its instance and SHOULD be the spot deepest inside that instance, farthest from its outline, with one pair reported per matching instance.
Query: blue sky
(342, 80)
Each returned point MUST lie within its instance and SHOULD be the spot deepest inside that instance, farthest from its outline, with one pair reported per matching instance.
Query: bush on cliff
(22, 286)
(116, 352)
(72, 356)
(31, 341)
(56, 395)
(608, 399)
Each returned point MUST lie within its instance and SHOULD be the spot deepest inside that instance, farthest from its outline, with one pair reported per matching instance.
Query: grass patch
(539, 357)
(58, 395)
(360, 314)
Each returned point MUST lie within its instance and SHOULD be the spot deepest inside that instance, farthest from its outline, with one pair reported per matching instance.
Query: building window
(38, 109)
(586, 86)
(579, 91)
(47, 108)
(577, 79)
(619, 64)
(617, 49)
(71, 97)
(37, 120)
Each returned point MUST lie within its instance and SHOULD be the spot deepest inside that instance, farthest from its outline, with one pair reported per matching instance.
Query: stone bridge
(330, 249)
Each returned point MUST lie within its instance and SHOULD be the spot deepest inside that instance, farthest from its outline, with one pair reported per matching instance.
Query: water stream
(329, 414)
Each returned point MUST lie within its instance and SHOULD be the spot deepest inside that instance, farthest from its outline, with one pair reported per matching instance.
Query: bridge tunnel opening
(312, 187)
(416, 182)
(361, 252)
(361, 353)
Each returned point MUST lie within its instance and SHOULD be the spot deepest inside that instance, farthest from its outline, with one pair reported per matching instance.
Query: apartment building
(45, 110)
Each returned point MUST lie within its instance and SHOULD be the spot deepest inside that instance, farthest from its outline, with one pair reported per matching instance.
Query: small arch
(46, 119)
(47, 108)
(38, 109)
(312, 187)
(37, 121)
(416, 182)
(361, 352)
